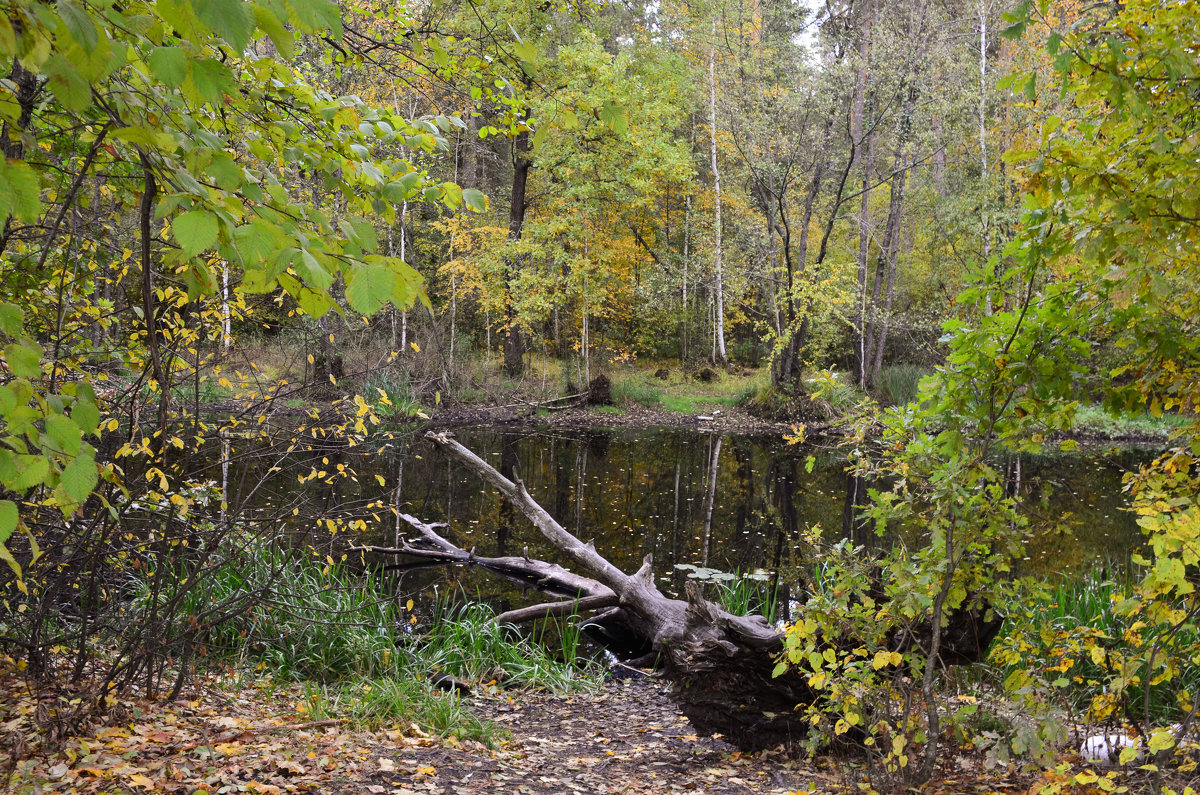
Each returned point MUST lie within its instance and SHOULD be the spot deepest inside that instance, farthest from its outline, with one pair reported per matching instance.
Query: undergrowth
(1068, 638)
(361, 653)
(1095, 420)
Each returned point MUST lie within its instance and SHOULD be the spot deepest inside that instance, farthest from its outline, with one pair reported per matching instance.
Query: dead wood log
(546, 577)
(720, 664)
(553, 609)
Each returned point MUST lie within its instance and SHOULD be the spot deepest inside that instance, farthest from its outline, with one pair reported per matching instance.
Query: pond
(731, 503)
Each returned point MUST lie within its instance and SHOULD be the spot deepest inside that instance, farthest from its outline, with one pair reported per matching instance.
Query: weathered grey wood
(720, 664)
(548, 577)
(554, 609)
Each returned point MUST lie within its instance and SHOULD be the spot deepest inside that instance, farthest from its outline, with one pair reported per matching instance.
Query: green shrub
(1072, 637)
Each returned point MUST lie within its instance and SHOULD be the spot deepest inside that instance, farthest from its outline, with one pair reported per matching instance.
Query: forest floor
(624, 737)
(730, 419)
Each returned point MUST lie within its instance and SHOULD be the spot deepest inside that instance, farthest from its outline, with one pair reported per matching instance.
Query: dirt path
(626, 738)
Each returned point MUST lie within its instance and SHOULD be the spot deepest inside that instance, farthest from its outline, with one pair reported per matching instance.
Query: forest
(306, 306)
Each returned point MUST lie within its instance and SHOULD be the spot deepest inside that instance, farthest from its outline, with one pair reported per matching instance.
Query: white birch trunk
(717, 264)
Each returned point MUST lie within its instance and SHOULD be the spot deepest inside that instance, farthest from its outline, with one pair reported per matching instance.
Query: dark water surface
(725, 502)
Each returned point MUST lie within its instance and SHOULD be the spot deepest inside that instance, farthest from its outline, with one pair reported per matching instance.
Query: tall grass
(345, 633)
(306, 618)
(743, 594)
(1095, 419)
(390, 393)
(749, 594)
(466, 641)
(632, 389)
(389, 700)
(898, 383)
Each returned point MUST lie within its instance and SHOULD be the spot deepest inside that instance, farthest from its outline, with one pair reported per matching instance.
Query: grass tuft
(898, 384)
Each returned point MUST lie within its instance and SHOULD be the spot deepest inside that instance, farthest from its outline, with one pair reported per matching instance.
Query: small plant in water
(741, 594)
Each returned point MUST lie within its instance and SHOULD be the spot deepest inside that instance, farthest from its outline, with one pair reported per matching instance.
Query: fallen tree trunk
(547, 577)
(720, 664)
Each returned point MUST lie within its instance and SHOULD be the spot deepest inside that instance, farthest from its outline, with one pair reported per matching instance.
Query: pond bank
(1093, 428)
(731, 419)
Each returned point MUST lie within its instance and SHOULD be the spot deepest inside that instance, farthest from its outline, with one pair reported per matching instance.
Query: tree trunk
(514, 343)
(867, 142)
(717, 264)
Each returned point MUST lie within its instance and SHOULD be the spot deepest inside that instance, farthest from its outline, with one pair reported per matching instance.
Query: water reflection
(726, 502)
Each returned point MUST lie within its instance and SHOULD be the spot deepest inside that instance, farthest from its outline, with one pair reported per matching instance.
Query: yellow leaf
(379, 478)
(1161, 740)
(138, 780)
(415, 347)
(882, 660)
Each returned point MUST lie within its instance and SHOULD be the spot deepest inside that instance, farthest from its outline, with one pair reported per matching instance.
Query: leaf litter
(625, 737)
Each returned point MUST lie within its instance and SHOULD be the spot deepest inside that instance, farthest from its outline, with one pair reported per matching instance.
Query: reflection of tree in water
(733, 503)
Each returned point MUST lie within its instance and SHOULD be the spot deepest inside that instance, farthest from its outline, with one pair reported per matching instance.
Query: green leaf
(315, 303)
(67, 84)
(1014, 31)
(526, 51)
(199, 279)
(613, 114)
(86, 415)
(82, 29)
(65, 434)
(255, 242)
(24, 359)
(226, 172)
(279, 35)
(195, 231)
(370, 288)
(169, 64)
(313, 271)
(11, 318)
(402, 188)
(475, 199)
(211, 80)
(316, 15)
(28, 471)
(230, 19)
(78, 479)
(20, 191)
(9, 516)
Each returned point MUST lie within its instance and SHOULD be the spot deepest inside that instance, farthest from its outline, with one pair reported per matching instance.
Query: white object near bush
(1105, 749)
